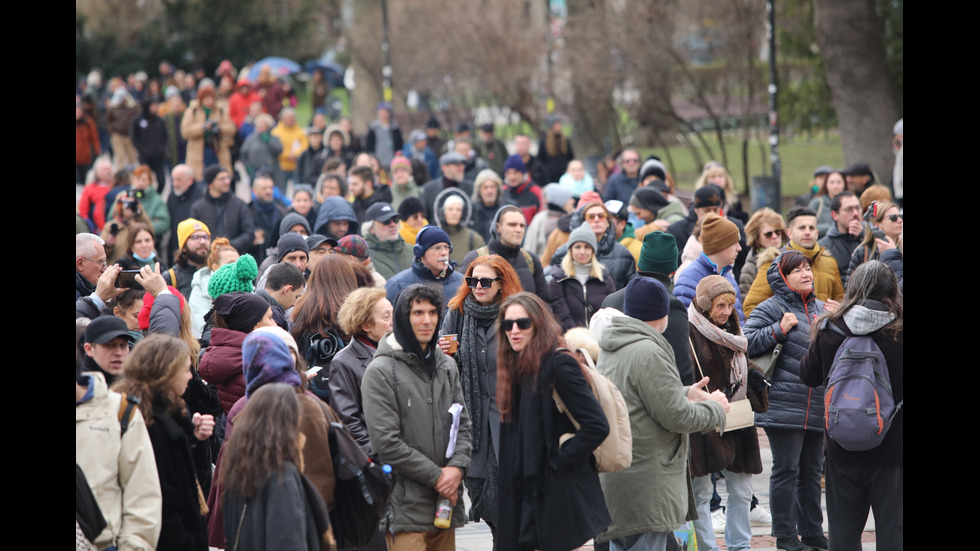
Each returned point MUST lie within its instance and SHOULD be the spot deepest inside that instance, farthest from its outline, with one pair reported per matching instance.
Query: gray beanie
(584, 234)
(557, 194)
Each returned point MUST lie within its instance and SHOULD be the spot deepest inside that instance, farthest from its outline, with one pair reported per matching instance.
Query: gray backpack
(858, 402)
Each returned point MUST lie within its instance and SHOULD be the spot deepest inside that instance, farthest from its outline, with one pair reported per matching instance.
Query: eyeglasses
(199, 237)
(485, 282)
(769, 234)
(630, 161)
(392, 220)
(895, 217)
(522, 323)
(596, 216)
(104, 262)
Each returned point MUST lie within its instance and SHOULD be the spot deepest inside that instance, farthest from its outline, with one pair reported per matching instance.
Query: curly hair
(510, 283)
(218, 246)
(150, 373)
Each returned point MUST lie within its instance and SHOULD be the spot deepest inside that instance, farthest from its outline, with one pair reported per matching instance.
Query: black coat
(571, 308)
(227, 216)
(549, 497)
(183, 526)
(346, 371)
(612, 253)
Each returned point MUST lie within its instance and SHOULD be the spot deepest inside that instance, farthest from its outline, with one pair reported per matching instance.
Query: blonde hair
(568, 264)
(358, 308)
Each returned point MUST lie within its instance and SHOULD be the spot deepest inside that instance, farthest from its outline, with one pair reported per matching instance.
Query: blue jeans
(647, 541)
(794, 487)
(738, 530)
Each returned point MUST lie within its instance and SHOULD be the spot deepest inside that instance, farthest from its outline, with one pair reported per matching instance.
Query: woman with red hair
(550, 498)
(472, 319)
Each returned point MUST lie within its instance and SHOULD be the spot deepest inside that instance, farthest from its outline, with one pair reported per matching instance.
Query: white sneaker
(760, 516)
(718, 521)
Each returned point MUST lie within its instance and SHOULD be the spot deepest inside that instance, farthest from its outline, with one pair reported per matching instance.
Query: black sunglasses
(894, 217)
(484, 282)
(769, 234)
(522, 323)
(392, 220)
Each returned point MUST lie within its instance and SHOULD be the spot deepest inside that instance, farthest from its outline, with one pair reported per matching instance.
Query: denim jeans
(647, 541)
(794, 487)
(738, 530)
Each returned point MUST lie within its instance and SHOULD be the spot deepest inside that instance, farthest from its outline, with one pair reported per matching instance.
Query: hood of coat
(867, 317)
(624, 331)
(336, 208)
(402, 343)
(291, 220)
(467, 207)
(608, 241)
(494, 236)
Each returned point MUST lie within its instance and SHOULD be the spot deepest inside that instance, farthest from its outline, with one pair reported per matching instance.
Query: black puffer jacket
(571, 308)
(612, 254)
(792, 404)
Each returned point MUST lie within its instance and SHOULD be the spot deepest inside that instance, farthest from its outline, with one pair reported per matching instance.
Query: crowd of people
(437, 300)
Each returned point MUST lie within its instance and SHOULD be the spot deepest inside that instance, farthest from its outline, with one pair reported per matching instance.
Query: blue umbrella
(280, 66)
(333, 72)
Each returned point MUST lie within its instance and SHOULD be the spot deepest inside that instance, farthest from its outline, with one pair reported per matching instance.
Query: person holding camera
(209, 131)
(125, 212)
(882, 239)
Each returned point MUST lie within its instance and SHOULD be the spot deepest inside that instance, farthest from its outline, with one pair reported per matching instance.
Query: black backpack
(361, 491)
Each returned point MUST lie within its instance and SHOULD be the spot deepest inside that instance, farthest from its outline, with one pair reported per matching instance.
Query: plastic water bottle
(444, 513)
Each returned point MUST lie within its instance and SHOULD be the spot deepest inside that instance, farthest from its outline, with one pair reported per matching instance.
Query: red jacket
(221, 365)
(91, 204)
(87, 146)
(238, 105)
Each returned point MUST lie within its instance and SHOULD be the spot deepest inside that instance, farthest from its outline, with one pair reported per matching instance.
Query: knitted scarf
(735, 342)
(474, 315)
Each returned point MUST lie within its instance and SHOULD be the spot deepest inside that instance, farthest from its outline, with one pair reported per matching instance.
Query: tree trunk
(366, 60)
(849, 35)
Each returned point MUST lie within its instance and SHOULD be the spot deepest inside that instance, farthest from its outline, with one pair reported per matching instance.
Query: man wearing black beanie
(223, 213)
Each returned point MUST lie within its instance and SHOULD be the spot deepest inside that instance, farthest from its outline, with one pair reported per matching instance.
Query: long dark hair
(150, 371)
(266, 437)
(332, 279)
(511, 365)
(872, 280)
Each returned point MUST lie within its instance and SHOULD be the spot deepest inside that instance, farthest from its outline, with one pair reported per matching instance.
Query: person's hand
(788, 322)
(662, 225)
(719, 397)
(855, 227)
(831, 305)
(697, 392)
(106, 288)
(203, 426)
(444, 344)
(885, 244)
(151, 279)
(448, 483)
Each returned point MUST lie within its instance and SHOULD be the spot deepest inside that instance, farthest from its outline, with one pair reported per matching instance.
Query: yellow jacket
(826, 279)
(294, 143)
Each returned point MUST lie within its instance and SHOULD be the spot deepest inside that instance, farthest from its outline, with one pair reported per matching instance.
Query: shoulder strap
(127, 408)
(528, 259)
(173, 277)
(695, 354)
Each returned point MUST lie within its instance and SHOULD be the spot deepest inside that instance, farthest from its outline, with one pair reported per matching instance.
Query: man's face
(297, 258)
(330, 188)
(182, 180)
(597, 219)
(453, 171)
(488, 192)
(705, 211)
(262, 187)
(384, 116)
(111, 355)
(803, 231)
(221, 183)
(856, 182)
(463, 148)
(423, 317)
(523, 145)
(436, 258)
(727, 256)
(92, 267)
(103, 171)
(486, 137)
(316, 140)
(289, 296)
(510, 228)
(513, 177)
(631, 162)
(385, 231)
(850, 209)
(338, 228)
(356, 186)
(198, 245)
(320, 252)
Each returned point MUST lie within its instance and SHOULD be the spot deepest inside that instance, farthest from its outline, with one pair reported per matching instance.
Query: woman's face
(226, 256)
(775, 238)
(207, 102)
(302, 203)
(517, 337)
(485, 296)
(582, 252)
(183, 377)
(721, 310)
(330, 188)
(801, 278)
(717, 178)
(266, 321)
(835, 184)
(453, 213)
(380, 323)
(143, 245)
(892, 229)
(129, 315)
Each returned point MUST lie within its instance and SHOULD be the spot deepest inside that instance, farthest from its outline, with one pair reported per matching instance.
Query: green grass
(799, 157)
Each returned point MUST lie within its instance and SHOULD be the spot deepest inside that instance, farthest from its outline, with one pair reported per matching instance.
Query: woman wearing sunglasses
(882, 240)
(549, 493)
(766, 229)
(472, 318)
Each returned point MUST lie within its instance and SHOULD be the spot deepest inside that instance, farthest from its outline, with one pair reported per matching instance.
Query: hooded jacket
(336, 208)
(654, 493)
(792, 404)
(612, 254)
(462, 237)
(532, 277)
(527, 196)
(388, 257)
(406, 411)
(826, 279)
(433, 188)
(870, 318)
